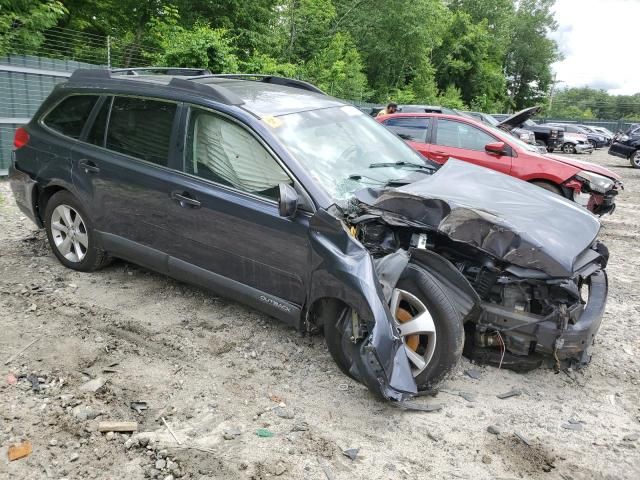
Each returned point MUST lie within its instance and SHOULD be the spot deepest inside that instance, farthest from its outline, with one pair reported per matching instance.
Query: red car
(439, 137)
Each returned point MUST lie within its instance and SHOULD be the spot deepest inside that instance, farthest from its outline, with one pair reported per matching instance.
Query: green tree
(338, 69)
(531, 53)
(22, 23)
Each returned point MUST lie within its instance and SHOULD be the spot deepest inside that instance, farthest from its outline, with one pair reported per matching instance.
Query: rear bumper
(23, 187)
(621, 150)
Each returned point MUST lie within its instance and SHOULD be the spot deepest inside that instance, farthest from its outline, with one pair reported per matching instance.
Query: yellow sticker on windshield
(273, 122)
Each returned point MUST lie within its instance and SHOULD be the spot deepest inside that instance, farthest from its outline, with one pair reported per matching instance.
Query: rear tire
(71, 235)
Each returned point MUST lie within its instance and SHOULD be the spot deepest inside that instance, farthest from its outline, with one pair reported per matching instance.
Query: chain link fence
(28, 74)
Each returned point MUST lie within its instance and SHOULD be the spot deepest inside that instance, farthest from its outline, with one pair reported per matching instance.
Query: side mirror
(287, 200)
(496, 147)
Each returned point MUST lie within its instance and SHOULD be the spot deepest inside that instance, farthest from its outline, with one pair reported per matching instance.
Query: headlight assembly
(597, 183)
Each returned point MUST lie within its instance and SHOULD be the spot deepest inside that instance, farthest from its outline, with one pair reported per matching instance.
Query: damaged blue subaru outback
(267, 191)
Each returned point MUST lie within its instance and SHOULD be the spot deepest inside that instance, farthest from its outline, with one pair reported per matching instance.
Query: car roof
(251, 93)
(446, 116)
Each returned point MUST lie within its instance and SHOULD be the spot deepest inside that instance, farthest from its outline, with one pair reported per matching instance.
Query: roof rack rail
(90, 74)
(287, 82)
(179, 71)
(216, 92)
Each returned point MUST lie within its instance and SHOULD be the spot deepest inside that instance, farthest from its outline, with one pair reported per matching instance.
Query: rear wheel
(428, 324)
(634, 159)
(70, 234)
(568, 148)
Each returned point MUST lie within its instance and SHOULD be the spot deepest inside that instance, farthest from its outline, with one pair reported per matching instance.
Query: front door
(461, 140)
(224, 211)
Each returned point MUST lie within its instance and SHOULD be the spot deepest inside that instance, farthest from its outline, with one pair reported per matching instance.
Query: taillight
(20, 139)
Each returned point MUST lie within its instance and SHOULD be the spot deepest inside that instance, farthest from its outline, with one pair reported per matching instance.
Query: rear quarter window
(70, 115)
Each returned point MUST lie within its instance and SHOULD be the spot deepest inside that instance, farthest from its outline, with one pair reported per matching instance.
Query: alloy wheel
(567, 148)
(635, 158)
(416, 328)
(69, 233)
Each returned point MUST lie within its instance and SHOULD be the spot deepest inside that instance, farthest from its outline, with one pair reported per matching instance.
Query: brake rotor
(412, 341)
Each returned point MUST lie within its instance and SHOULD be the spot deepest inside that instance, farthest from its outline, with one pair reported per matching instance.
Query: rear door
(224, 212)
(122, 171)
(461, 140)
(413, 130)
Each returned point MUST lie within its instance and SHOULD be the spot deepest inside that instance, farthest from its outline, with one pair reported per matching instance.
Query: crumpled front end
(531, 257)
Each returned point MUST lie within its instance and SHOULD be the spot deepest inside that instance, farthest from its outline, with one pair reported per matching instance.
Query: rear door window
(462, 135)
(69, 117)
(414, 129)
(141, 128)
(99, 128)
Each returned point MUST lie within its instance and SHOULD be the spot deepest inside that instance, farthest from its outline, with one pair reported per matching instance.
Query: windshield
(338, 145)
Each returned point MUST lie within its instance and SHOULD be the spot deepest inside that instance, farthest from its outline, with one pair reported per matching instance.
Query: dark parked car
(627, 146)
(608, 137)
(270, 192)
(596, 140)
(552, 138)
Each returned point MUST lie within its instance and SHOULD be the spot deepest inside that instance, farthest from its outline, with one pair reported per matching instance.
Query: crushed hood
(508, 218)
(588, 166)
(518, 118)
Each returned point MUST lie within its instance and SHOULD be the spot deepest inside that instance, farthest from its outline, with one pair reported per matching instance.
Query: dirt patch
(218, 373)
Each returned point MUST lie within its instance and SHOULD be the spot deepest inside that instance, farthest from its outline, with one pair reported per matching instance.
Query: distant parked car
(526, 136)
(595, 139)
(591, 129)
(627, 145)
(574, 142)
(549, 137)
(440, 137)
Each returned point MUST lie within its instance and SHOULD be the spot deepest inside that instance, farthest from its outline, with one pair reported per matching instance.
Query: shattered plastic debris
(11, 379)
(93, 385)
(19, 450)
(264, 433)
(472, 373)
(352, 453)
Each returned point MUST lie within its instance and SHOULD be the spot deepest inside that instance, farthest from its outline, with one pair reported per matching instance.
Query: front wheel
(634, 159)
(70, 234)
(429, 325)
(568, 148)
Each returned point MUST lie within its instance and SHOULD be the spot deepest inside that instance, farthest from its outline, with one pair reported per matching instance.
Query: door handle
(88, 166)
(185, 200)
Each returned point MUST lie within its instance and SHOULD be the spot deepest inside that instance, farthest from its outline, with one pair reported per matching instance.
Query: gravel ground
(218, 372)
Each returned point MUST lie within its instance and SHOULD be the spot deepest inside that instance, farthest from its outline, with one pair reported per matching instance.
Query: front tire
(429, 324)
(71, 235)
(634, 159)
(568, 148)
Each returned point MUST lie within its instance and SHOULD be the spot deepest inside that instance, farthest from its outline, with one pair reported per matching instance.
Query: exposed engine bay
(532, 259)
(522, 320)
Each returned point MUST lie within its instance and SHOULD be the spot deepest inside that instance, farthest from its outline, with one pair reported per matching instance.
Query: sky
(599, 40)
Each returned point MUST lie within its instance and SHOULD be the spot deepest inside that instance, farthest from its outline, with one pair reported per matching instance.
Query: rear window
(70, 115)
(141, 128)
